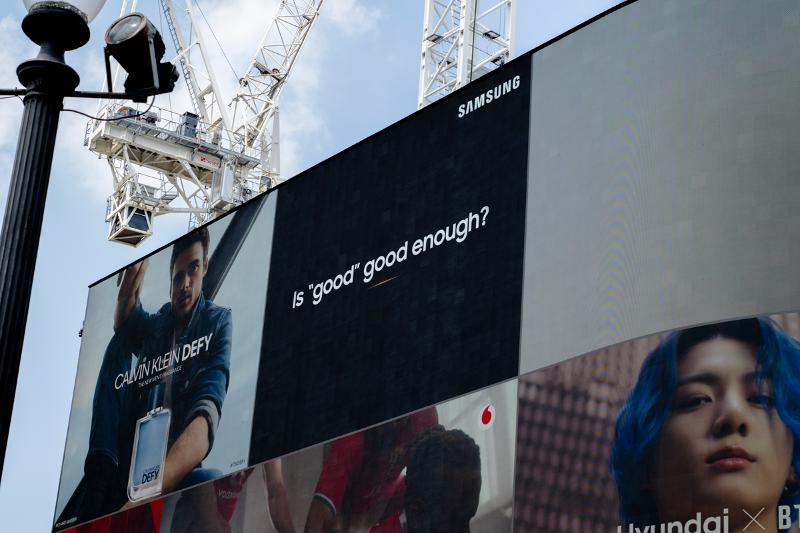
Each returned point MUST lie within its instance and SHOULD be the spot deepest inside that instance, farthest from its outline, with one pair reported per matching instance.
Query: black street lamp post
(57, 27)
(46, 79)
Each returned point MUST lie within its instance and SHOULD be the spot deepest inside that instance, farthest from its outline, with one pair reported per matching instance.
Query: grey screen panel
(663, 174)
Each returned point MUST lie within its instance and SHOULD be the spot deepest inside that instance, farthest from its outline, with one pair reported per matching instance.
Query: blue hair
(642, 416)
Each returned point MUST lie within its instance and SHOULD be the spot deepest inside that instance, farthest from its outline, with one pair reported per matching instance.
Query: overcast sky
(357, 74)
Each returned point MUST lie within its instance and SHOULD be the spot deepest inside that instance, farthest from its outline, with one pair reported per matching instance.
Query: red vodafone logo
(487, 416)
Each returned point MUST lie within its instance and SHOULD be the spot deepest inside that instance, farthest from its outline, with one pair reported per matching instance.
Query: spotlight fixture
(138, 47)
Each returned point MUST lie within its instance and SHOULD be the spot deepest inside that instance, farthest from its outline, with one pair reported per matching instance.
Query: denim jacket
(145, 351)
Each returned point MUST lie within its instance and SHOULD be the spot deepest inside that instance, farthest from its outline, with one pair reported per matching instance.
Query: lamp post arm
(74, 94)
(98, 94)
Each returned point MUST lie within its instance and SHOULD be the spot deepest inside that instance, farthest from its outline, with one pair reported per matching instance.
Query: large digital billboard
(279, 369)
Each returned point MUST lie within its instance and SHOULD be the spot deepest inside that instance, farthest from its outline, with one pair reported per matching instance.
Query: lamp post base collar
(47, 76)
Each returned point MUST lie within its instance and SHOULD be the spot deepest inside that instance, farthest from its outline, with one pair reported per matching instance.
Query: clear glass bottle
(149, 448)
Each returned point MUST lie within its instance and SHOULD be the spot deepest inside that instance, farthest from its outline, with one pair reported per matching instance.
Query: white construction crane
(205, 161)
(461, 41)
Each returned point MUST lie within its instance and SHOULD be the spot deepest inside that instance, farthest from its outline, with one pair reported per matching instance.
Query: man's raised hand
(129, 282)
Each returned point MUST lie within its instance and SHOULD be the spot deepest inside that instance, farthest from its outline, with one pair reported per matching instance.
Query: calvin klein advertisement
(692, 431)
(444, 468)
(396, 273)
(164, 391)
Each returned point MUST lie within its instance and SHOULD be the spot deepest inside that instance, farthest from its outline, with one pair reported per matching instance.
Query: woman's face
(723, 444)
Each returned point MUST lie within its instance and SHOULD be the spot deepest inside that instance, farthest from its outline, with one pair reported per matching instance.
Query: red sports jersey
(390, 524)
(228, 489)
(357, 477)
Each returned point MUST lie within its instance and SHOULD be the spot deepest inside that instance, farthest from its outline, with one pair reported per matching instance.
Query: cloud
(353, 17)
(75, 162)
(300, 118)
(238, 27)
(70, 156)
(305, 137)
(304, 124)
(16, 49)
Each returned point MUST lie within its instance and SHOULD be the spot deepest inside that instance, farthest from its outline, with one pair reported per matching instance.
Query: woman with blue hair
(712, 426)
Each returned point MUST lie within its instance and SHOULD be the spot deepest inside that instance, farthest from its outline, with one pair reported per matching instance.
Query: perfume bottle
(149, 448)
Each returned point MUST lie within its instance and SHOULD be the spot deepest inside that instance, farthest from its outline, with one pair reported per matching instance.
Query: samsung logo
(488, 97)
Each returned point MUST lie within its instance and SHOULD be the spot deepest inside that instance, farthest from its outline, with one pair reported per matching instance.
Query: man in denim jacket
(186, 344)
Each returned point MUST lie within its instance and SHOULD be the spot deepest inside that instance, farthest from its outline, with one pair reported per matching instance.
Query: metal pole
(47, 79)
(19, 242)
